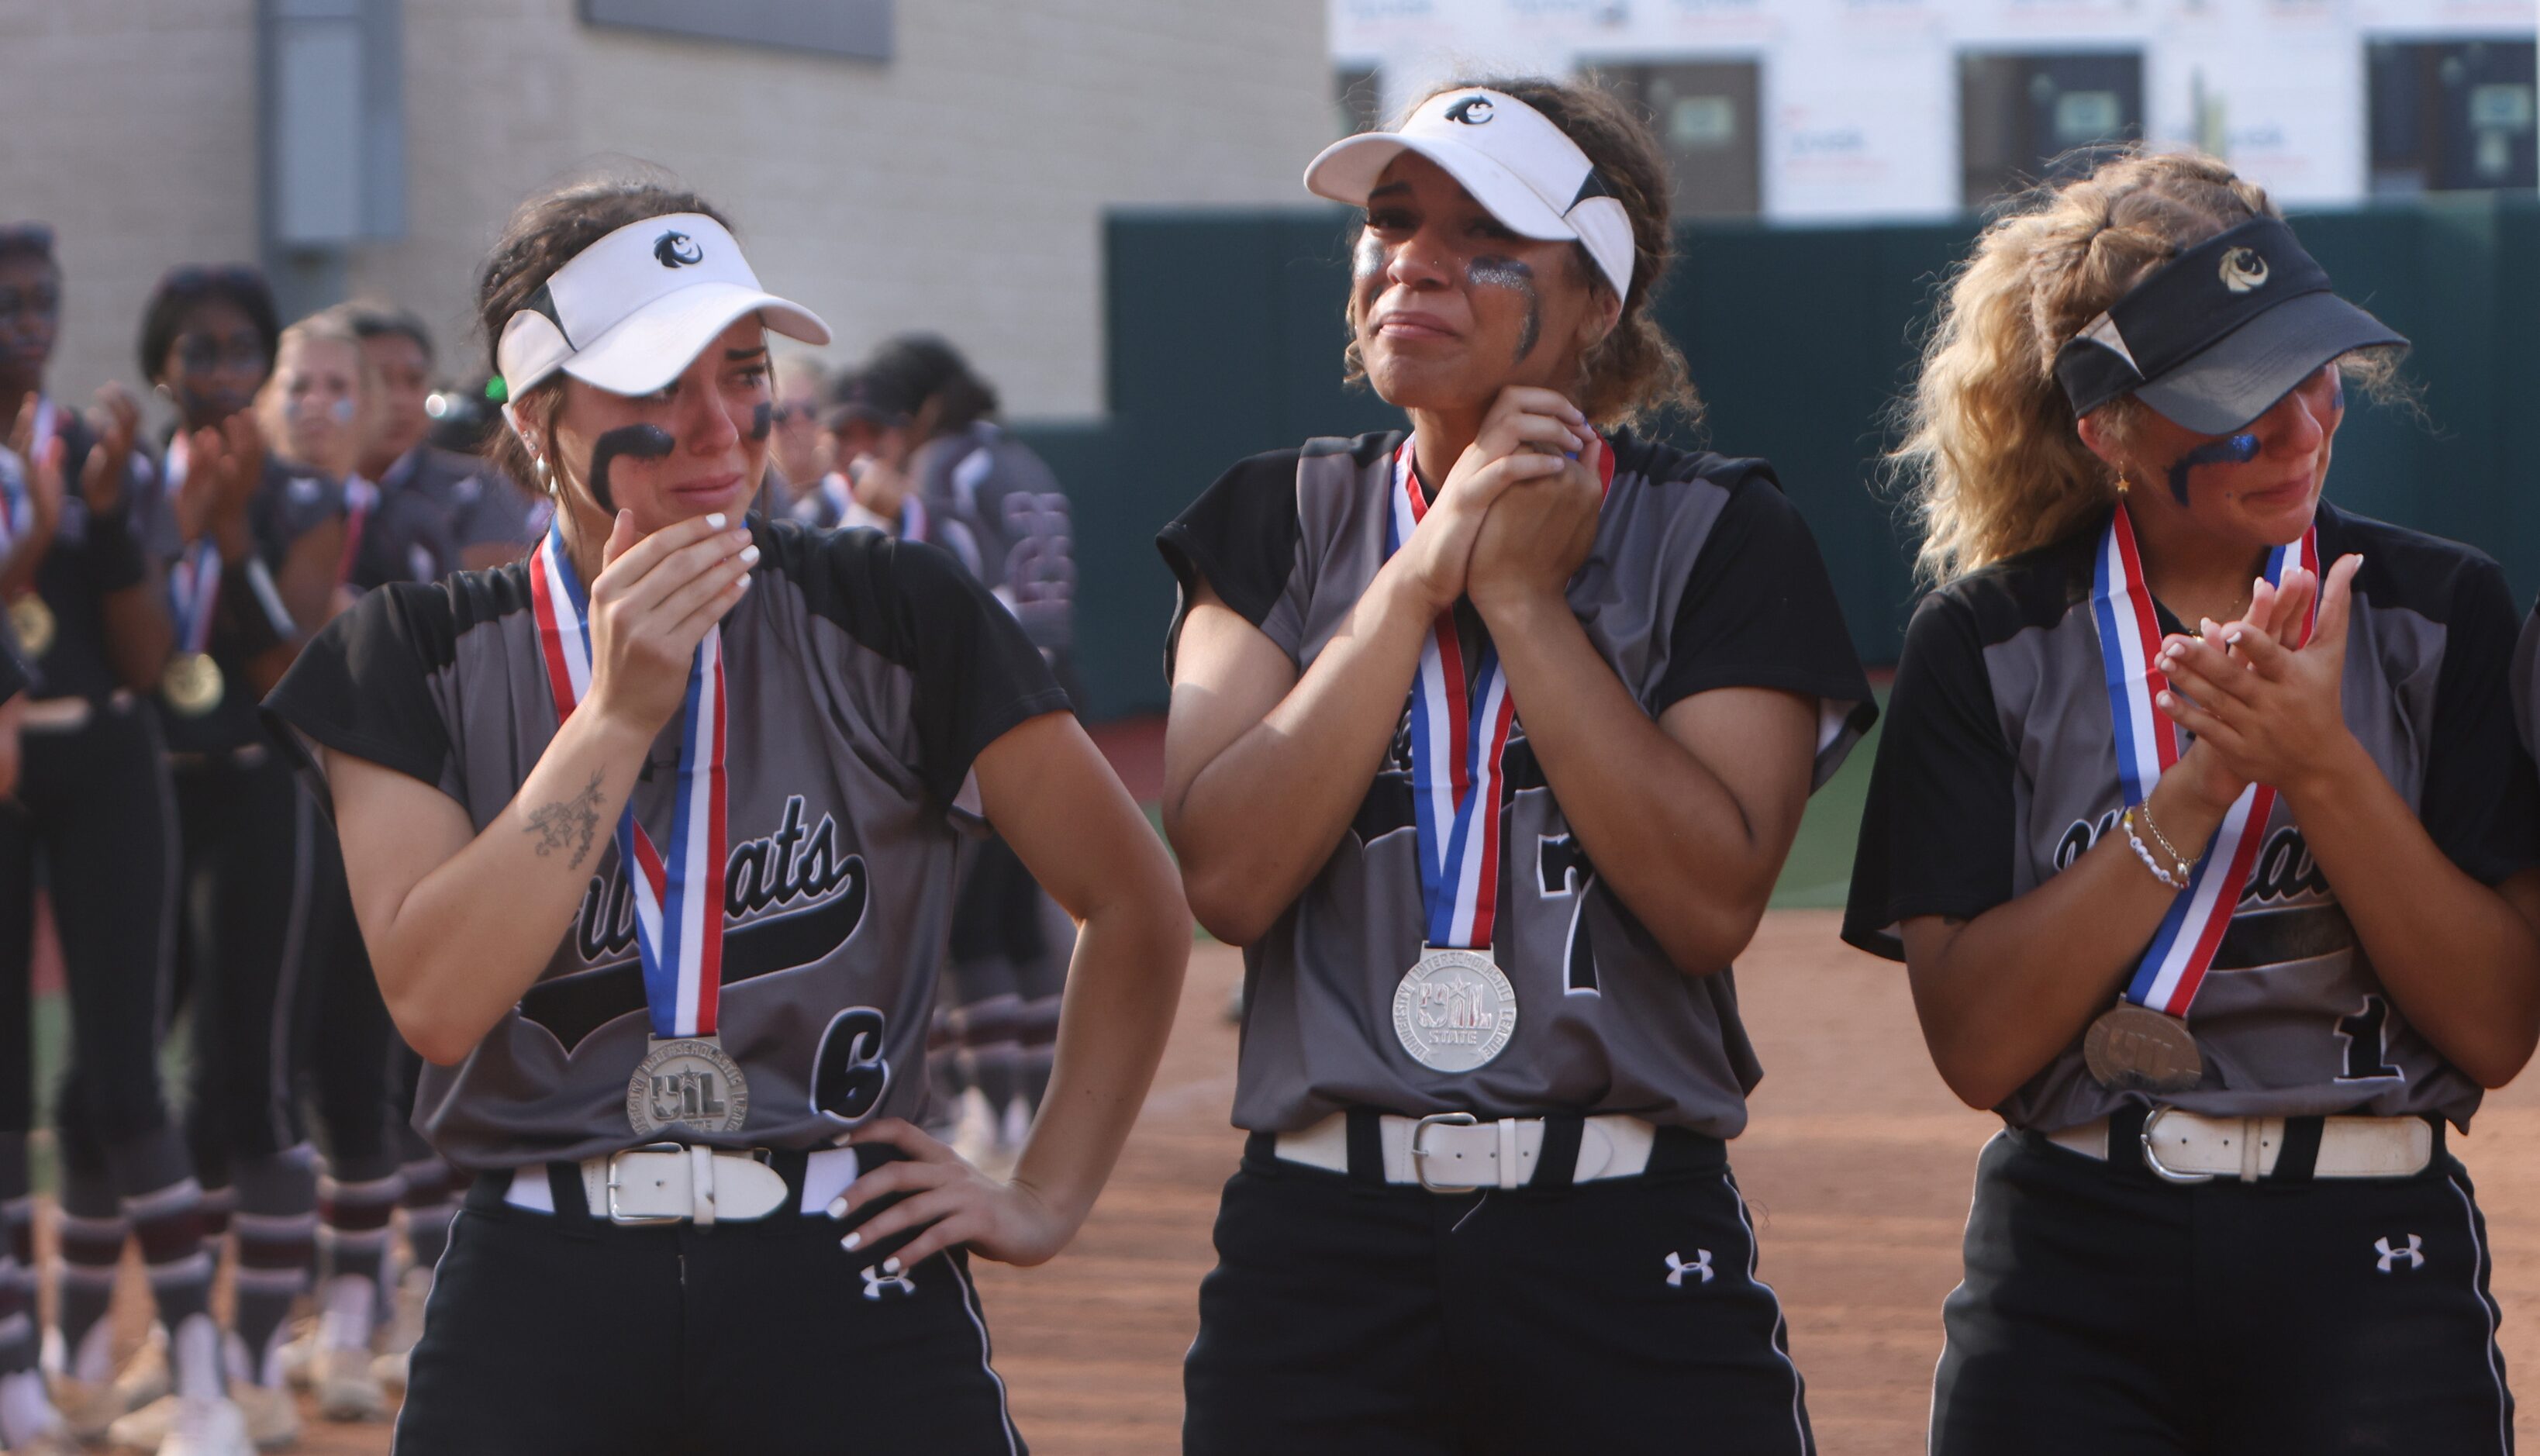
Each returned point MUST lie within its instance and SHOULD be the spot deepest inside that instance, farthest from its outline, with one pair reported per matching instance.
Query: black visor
(2220, 333)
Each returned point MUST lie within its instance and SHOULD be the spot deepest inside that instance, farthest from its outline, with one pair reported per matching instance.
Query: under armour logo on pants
(2415, 1252)
(876, 1281)
(1677, 1269)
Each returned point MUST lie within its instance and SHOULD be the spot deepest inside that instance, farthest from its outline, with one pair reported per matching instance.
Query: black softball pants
(2106, 1311)
(564, 1335)
(1349, 1317)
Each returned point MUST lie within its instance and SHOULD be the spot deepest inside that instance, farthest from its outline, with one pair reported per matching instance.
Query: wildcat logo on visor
(2243, 269)
(677, 249)
(1472, 111)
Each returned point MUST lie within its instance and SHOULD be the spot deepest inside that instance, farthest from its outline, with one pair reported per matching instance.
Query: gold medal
(193, 684)
(32, 622)
(688, 1082)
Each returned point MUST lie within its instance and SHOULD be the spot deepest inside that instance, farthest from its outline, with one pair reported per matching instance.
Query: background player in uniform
(998, 508)
(795, 1269)
(2126, 415)
(87, 609)
(251, 847)
(439, 511)
(1486, 1204)
(799, 446)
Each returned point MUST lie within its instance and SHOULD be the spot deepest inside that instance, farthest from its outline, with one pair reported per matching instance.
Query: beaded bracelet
(2143, 811)
(2176, 882)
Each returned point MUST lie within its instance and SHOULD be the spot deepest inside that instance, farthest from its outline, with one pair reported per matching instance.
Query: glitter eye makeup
(1491, 270)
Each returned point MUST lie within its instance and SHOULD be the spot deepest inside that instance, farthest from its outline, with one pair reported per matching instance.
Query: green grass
(1818, 872)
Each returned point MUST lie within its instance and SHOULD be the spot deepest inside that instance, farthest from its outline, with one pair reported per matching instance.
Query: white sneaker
(406, 1327)
(146, 1376)
(87, 1407)
(347, 1388)
(207, 1426)
(272, 1415)
(272, 1419)
(299, 1353)
(144, 1430)
(974, 1131)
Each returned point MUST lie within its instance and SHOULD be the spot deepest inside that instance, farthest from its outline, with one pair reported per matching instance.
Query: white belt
(673, 1183)
(2189, 1148)
(55, 714)
(1456, 1152)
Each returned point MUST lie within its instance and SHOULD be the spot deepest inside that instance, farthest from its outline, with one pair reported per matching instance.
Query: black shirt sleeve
(977, 674)
(1240, 538)
(13, 674)
(1760, 611)
(2479, 802)
(1941, 825)
(363, 686)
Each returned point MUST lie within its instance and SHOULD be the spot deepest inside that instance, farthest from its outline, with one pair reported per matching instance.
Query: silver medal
(1454, 1011)
(687, 1081)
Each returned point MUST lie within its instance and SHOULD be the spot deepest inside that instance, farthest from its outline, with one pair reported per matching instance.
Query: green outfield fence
(1224, 338)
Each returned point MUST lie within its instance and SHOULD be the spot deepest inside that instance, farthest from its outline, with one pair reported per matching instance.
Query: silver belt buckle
(2152, 1159)
(638, 1219)
(1420, 1154)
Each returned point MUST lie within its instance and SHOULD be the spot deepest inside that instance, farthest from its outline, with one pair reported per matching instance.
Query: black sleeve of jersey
(1940, 828)
(1240, 536)
(1760, 611)
(977, 674)
(13, 673)
(360, 686)
(2479, 801)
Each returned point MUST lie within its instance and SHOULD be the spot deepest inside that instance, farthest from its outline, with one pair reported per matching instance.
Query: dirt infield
(1857, 1166)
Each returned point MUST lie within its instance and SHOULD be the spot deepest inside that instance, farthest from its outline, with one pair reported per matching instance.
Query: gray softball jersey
(1702, 576)
(864, 674)
(1998, 769)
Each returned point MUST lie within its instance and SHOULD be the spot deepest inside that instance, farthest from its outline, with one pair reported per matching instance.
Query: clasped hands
(2261, 697)
(1516, 514)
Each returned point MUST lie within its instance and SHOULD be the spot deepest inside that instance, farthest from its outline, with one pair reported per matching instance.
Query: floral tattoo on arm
(568, 821)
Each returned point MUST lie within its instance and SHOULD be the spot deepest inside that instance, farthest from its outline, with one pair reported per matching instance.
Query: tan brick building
(958, 184)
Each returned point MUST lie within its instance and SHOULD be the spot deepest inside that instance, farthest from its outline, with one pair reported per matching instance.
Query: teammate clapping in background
(2120, 440)
(87, 609)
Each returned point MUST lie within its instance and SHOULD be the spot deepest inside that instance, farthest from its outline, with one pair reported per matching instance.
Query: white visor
(1525, 170)
(630, 311)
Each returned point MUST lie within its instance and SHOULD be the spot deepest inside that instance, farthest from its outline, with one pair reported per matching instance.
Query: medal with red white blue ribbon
(2145, 1041)
(193, 684)
(685, 1079)
(31, 618)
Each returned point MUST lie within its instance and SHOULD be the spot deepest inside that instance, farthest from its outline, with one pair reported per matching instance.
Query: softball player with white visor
(2199, 826)
(651, 837)
(1488, 740)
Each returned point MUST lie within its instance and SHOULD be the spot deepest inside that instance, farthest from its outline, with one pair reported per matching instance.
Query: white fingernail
(838, 1208)
(749, 555)
(891, 1266)
(850, 1240)
(715, 521)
